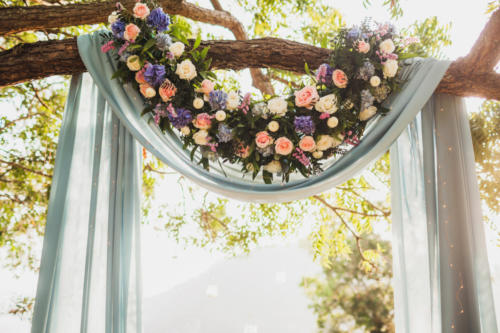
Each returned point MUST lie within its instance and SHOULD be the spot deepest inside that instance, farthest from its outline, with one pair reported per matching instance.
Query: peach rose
(131, 32)
(339, 78)
(307, 143)
(363, 47)
(207, 87)
(283, 146)
(306, 97)
(167, 90)
(141, 10)
(243, 151)
(263, 139)
(203, 121)
(139, 76)
(147, 90)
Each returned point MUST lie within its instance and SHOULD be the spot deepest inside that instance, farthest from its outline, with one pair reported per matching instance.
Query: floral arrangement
(278, 135)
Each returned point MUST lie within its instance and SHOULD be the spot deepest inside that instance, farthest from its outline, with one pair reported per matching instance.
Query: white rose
(318, 154)
(375, 81)
(277, 106)
(186, 70)
(233, 100)
(273, 126)
(112, 18)
(134, 63)
(201, 137)
(332, 122)
(198, 103)
(367, 113)
(177, 49)
(390, 68)
(220, 115)
(273, 167)
(324, 142)
(387, 46)
(185, 130)
(327, 104)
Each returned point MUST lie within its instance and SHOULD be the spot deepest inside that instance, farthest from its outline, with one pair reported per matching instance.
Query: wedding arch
(90, 273)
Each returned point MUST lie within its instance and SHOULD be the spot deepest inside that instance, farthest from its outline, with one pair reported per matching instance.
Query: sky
(177, 265)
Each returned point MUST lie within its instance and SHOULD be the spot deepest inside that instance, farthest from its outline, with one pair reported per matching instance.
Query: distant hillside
(255, 294)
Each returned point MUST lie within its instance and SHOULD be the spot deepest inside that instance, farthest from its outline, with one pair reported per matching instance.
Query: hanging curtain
(90, 262)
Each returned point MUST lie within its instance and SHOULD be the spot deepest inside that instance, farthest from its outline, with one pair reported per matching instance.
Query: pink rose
(139, 76)
(339, 78)
(307, 143)
(147, 90)
(206, 87)
(131, 32)
(363, 47)
(141, 11)
(263, 139)
(306, 97)
(203, 121)
(283, 146)
(243, 151)
(167, 90)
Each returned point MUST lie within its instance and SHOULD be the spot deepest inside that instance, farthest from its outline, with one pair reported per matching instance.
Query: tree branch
(17, 165)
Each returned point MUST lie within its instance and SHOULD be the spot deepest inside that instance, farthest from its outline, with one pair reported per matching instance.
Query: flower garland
(279, 135)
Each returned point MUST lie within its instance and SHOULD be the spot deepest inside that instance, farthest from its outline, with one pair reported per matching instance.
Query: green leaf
(204, 53)
(197, 42)
(149, 44)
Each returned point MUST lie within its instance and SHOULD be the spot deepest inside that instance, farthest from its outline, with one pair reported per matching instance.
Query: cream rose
(318, 154)
(112, 18)
(198, 103)
(307, 143)
(387, 46)
(273, 126)
(277, 106)
(375, 81)
(233, 100)
(186, 70)
(201, 137)
(332, 122)
(337, 141)
(220, 115)
(273, 167)
(134, 63)
(185, 130)
(367, 113)
(283, 146)
(324, 142)
(327, 104)
(390, 68)
(177, 49)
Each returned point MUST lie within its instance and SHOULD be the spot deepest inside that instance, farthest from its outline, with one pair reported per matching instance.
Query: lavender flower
(356, 33)
(218, 99)
(157, 18)
(366, 99)
(366, 71)
(304, 124)
(225, 133)
(324, 73)
(159, 113)
(118, 28)
(163, 41)
(180, 118)
(155, 75)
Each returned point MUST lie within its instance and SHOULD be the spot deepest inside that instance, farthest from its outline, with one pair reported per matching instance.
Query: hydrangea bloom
(155, 75)
(180, 118)
(367, 71)
(118, 28)
(218, 99)
(304, 124)
(324, 73)
(260, 109)
(157, 18)
(225, 133)
(163, 41)
(366, 99)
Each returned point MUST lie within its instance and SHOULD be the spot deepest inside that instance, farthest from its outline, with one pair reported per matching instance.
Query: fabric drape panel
(442, 276)
(89, 271)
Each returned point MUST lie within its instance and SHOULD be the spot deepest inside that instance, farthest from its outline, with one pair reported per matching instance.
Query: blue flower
(157, 18)
(304, 124)
(155, 75)
(225, 133)
(218, 99)
(118, 28)
(163, 41)
(182, 117)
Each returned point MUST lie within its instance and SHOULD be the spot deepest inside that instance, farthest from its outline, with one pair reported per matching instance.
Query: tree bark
(34, 61)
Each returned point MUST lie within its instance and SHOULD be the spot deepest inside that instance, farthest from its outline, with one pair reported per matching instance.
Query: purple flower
(157, 18)
(118, 27)
(155, 75)
(159, 113)
(366, 71)
(355, 33)
(304, 124)
(225, 133)
(324, 73)
(218, 99)
(180, 117)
